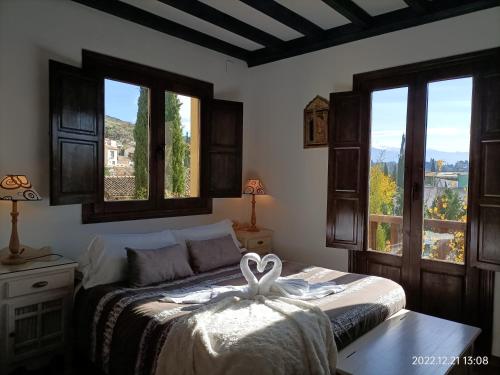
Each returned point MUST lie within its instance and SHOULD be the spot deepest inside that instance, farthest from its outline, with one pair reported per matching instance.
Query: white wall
(278, 92)
(34, 31)
(275, 94)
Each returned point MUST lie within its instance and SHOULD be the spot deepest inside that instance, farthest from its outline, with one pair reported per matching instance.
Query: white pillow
(105, 260)
(206, 232)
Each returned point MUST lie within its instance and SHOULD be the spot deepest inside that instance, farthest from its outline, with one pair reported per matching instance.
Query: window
(132, 142)
(153, 134)
(446, 182)
(387, 161)
(126, 141)
(438, 122)
(182, 146)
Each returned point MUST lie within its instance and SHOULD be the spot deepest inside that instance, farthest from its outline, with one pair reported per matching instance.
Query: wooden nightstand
(260, 242)
(35, 312)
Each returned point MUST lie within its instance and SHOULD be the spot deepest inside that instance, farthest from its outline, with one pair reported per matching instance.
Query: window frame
(158, 82)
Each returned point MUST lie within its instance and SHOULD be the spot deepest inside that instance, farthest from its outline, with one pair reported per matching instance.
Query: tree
(141, 159)
(382, 193)
(433, 165)
(401, 164)
(439, 165)
(175, 175)
(447, 206)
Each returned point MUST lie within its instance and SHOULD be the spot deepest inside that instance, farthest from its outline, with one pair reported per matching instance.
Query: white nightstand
(260, 242)
(35, 312)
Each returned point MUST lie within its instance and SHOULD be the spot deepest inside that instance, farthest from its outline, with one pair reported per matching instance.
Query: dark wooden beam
(152, 21)
(207, 13)
(351, 11)
(419, 6)
(285, 16)
(381, 24)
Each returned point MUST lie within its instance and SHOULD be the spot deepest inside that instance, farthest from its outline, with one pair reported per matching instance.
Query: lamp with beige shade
(16, 188)
(253, 187)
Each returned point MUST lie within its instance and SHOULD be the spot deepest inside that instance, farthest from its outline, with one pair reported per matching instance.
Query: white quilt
(263, 336)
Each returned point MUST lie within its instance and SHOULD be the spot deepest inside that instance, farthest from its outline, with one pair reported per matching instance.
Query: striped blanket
(122, 330)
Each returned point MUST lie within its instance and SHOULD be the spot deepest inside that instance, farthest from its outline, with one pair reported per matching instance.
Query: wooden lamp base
(253, 220)
(14, 259)
(14, 248)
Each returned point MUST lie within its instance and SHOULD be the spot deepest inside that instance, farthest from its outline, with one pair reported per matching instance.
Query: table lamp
(253, 187)
(16, 188)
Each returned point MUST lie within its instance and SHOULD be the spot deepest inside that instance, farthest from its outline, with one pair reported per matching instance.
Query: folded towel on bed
(271, 284)
(264, 335)
(290, 288)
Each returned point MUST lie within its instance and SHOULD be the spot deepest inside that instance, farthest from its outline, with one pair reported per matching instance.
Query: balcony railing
(396, 229)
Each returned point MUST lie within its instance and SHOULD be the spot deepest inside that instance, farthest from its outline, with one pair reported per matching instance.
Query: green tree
(401, 164)
(176, 169)
(141, 128)
(433, 165)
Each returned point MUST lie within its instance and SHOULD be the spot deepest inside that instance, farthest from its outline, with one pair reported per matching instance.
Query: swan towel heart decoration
(271, 284)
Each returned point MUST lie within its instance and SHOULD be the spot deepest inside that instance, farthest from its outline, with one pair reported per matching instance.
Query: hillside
(119, 130)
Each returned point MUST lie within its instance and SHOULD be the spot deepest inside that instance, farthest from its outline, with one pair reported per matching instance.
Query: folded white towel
(270, 284)
(301, 289)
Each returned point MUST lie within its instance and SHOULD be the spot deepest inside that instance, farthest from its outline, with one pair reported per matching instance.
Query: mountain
(392, 154)
(119, 130)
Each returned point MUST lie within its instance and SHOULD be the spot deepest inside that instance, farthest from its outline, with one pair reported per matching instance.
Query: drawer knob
(40, 284)
(260, 242)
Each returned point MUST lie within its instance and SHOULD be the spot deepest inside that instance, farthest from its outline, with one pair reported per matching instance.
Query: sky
(120, 101)
(448, 117)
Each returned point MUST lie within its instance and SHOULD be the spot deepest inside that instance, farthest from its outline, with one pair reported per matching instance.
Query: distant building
(110, 152)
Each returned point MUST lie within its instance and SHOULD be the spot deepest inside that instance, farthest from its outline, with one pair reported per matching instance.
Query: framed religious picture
(316, 123)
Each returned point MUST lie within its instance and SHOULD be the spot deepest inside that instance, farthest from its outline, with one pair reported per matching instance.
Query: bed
(121, 330)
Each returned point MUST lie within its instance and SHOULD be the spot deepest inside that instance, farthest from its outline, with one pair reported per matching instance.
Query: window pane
(126, 141)
(182, 146)
(387, 153)
(447, 169)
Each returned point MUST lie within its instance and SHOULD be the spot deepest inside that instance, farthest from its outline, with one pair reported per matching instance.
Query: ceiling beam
(351, 11)
(419, 6)
(285, 16)
(152, 21)
(207, 13)
(383, 23)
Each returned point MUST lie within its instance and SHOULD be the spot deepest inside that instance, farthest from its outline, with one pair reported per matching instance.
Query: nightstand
(260, 242)
(35, 312)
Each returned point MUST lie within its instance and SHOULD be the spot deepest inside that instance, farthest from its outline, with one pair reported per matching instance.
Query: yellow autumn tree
(383, 190)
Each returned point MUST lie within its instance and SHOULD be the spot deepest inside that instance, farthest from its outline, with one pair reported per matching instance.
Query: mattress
(121, 330)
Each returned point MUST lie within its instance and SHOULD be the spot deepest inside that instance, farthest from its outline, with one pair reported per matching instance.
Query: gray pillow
(209, 254)
(156, 265)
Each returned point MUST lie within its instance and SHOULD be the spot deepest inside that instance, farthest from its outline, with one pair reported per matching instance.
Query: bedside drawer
(257, 243)
(21, 287)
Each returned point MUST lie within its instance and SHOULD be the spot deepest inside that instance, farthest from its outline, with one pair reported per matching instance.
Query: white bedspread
(263, 336)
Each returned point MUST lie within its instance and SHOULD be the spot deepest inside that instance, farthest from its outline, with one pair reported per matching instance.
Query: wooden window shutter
(347, 183)
(484, 197)
(76, 135)
(225, 149)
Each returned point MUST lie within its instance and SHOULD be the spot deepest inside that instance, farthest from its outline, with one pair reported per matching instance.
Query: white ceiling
(315, 11)
(376, 7)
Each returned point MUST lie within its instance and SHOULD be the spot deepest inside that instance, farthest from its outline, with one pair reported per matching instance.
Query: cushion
(156, 265)
(213, 253)
(206, 232)
(105, 260)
